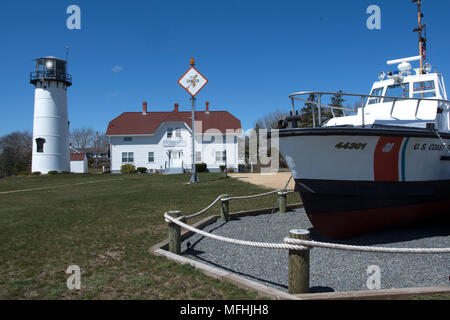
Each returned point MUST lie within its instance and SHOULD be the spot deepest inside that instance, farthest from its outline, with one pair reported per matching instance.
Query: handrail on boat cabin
(294, 97)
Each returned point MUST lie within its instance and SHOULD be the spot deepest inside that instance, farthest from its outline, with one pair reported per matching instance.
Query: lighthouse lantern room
(50, 125)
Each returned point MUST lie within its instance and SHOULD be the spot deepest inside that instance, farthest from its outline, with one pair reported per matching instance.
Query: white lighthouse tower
(50, 125)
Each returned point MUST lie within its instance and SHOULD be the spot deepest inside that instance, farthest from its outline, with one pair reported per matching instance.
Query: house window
(127, 138)
(127, 157)
(220, 156)
(178, 133)
(169, 133)
(40, 144)
(198, 156)
(151, 157)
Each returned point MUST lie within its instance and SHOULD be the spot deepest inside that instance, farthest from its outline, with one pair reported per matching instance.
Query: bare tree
(101, 141)
(15, 153)
(270, 120)
(82, 138)
(100, 144)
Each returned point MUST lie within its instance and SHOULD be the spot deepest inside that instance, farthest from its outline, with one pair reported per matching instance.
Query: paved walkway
(272, 181)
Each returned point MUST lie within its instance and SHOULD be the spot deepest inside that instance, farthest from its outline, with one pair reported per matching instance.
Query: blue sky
(254, 53)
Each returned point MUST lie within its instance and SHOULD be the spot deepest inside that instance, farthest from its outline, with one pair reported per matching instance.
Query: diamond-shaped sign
(192, 81)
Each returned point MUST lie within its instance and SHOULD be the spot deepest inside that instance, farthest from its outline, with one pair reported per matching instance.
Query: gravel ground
(330, 270)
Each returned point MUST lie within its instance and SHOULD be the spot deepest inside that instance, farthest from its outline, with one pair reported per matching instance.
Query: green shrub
(23, 173)
(230, 170)
(52, 172)
(64, 172)
(222, 168)
(142, 169)
(128, 168)
(201, 167)
(36, 173)
(19, 167)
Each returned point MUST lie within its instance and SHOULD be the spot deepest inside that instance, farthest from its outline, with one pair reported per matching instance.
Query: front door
(175, 158)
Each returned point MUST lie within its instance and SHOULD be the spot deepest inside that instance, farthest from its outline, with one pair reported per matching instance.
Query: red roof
(77, 156)
(129, 123)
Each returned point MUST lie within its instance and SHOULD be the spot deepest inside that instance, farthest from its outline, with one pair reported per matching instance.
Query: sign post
(193, 81)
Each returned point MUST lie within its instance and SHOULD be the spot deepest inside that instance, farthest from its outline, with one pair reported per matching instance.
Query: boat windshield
(375, 92)
(424, 89)
(397, 90)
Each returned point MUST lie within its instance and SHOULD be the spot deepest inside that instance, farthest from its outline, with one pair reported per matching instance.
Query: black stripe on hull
(358, 131)
(349, 208)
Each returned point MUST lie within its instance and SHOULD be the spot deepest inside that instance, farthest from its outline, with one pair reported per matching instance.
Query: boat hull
(355, 181)
(342, 209)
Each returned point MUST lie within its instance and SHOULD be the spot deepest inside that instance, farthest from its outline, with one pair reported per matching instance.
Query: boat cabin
(402, 99)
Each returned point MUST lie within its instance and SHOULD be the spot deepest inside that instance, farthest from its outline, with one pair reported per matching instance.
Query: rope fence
(295, 244)
(284, 191)
(298, 242)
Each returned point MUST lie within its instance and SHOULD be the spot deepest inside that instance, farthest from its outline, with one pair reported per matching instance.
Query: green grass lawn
(106, 228)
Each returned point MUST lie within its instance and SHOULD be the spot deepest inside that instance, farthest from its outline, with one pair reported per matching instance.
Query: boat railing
(297, 97)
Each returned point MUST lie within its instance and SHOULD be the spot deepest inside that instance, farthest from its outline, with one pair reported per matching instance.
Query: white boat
(386, 165)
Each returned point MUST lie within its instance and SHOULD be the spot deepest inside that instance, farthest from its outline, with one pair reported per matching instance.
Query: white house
(162, 141)
(78, 163)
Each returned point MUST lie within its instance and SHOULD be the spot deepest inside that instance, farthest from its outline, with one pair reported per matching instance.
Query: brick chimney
(144, 107)
(175, 107)
(207, 107)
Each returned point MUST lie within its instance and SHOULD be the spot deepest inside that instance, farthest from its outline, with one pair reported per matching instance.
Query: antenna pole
(419, 29)
(67, 58)
(419, 15)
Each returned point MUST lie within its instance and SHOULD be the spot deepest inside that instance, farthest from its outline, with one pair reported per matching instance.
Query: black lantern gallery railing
(50, 75)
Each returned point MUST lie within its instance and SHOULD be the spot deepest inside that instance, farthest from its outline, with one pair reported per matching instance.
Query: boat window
(442, 93)
(376, 92)
(397, 90)
(424, 89)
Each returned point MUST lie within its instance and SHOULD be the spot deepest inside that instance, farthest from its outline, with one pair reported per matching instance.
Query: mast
(419, 30)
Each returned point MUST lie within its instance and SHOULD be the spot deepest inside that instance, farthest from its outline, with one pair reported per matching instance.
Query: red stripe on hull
(385, 161)
(353, 223)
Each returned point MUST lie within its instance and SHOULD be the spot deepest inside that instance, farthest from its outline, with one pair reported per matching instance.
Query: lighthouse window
(40, 144)
(169, 133)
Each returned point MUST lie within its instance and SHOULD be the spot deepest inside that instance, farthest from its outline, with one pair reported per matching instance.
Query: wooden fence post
(174, 233)
(299, 264)
(282, 201)
(224, 209)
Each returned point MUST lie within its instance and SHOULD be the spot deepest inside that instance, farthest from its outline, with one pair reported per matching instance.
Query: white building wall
(79, 166)
(158, 143)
